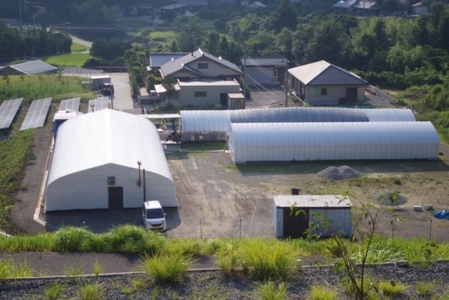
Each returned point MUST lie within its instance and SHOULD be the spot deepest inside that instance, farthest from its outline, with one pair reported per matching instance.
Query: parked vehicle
(152, 97)
(153, 216)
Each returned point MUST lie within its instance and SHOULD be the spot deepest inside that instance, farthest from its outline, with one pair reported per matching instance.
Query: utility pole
(286, 84)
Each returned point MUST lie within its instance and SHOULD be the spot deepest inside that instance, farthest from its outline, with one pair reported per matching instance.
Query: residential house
(194, 5)
(419, 9)
(364, 7)
(322, 83)
(158, 59)
(264, 70)
(203, 79)
(170, 12)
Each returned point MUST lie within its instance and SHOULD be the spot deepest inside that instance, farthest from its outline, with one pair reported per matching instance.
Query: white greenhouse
(95, 164)
(215, 125)
(332, 141)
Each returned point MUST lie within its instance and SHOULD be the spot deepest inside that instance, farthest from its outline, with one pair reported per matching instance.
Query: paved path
(82, 42)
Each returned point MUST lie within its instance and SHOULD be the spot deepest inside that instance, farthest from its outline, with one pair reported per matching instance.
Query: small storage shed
(293, 214)
(95, 164)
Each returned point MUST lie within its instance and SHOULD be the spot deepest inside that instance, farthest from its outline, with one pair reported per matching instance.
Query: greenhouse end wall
(332, 141)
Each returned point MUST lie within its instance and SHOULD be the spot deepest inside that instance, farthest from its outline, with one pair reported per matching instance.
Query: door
(295, 224)
(351, 95)
(115, 198)
(224, 99)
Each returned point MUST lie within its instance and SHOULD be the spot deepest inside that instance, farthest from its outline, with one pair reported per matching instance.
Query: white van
(153, 216)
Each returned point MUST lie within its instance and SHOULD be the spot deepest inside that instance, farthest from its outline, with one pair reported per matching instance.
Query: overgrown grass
(53, 292)
(92, 291)
(68, 60)
(8, 269)
(272, 291)
(391, 288)
(165, 37)
(41, 86)
(424, 289)
(321, 292)
(77, 47)
(166, 267)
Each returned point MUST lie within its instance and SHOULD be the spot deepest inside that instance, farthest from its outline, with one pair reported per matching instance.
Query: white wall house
(94, 164)
(206, 92)
(322, 83)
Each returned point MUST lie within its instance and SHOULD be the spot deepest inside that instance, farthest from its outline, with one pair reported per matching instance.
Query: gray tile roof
(193, 2)
(158, 59)
(265, 61)
(173, 6)
(34, 67)
(324, 73)
(365, 4)
(172, 67)
(344, 3)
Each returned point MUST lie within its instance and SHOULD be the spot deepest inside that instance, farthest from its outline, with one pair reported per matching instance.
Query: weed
(9, 270)
(53, 292)
(228, 259)
(272, 291)
(167, 267)
(92, 291)
(391, 288)
(424, 288)
(155, 293)
(138, 284)
(74, 271)
(321, 292)
(98, 268)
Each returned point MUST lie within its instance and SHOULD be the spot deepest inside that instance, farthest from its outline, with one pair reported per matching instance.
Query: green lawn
(68, 60)
(77, 47)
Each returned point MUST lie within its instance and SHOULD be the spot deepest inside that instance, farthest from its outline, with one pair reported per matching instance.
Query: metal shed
(334, 208)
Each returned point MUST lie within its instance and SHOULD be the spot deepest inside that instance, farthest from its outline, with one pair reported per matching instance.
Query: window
(200, 94)
(317, 91)
(203, 65)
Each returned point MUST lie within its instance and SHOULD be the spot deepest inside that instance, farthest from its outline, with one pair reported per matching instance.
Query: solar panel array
(72, 104)
(99, 104)
(37, 113)
(8, 111)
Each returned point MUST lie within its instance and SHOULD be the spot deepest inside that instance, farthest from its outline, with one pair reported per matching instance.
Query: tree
(169, 84)
(190, 33)
(285, 15)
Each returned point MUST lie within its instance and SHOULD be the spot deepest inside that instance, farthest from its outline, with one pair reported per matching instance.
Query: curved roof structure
(107, 136)
(205, 120)
(220, 120)
(92, 147)
(332, 141)
(298, 114)
(389, 115)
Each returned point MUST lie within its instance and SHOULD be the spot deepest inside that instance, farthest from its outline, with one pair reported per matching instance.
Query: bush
(72, 239)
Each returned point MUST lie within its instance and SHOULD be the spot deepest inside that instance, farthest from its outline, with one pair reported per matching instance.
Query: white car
(153, 216)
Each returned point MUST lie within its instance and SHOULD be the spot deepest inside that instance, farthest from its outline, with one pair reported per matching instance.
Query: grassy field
(68, 60)
(42, 86)
(77, 47)
(164, 37)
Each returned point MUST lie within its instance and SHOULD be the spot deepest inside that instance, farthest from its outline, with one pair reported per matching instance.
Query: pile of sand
(338, 173)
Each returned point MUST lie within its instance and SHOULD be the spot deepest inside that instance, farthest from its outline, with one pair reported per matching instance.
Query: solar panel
(8, 111)
(99, 104)
(37, 113)
(70, 104)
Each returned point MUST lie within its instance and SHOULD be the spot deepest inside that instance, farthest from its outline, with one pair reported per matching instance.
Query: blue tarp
(444, 214)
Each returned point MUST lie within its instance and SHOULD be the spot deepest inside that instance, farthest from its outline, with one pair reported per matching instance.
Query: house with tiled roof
(322, 83)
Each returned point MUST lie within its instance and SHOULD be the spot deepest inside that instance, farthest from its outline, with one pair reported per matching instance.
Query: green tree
(169, 84)
(285, 15)
(190, 33)
(211, 44)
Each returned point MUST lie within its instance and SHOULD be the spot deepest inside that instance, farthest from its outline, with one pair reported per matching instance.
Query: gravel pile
(339, 173)
(383, 198)
(211, 285)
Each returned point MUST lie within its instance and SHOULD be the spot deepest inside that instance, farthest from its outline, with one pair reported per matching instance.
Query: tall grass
(92, 291)
(166, 267)
(391, 289)
(53, 292)
(322, 292)
(264, 260)
(10, 270)
(272, 291)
